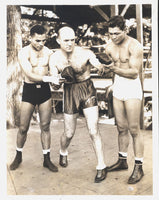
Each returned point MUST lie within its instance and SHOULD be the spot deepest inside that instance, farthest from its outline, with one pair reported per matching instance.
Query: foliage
(96, 34)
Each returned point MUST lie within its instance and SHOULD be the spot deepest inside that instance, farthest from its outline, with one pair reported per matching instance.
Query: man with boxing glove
(74, 63)
(34, 62)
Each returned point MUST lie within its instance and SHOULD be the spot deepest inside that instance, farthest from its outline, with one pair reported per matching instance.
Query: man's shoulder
(24, 50)
(83, 50)
(47, 50)
(56, 53)
(134, 43)
(109, 46)
(79, 48)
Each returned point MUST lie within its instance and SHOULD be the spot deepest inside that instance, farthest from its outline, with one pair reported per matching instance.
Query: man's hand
(108, 90)
(114, 66)
(58, 86)
(110, 67)
(107, 68)
(51, 79)
(104, 70)
(55, 87)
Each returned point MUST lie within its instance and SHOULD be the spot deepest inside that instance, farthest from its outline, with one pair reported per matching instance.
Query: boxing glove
(68, 74)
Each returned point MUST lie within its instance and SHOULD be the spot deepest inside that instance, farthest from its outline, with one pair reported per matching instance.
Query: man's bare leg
(70, 121)
(123, 137)
(26, 112)
(133, 108)
(92, 115)
(45, 119)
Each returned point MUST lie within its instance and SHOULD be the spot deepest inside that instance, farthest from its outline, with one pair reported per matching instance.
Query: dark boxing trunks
(76, 95)
(36, 94)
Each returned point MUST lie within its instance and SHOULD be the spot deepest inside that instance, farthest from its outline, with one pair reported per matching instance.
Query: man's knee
(69, 134)
(23, 130)
(134, 130)
(122, 130)
(93, 132)
(69, 125)
(45, 126)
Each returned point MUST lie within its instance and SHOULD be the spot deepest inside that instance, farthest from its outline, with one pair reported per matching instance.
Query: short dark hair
(37, 29)
(117, 21)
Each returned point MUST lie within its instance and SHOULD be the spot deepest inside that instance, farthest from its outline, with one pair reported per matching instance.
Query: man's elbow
(30, 77)
(135, 74)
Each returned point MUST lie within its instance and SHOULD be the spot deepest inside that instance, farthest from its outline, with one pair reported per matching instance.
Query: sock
(100, 167)
(123, 155)
(63, 154)
(45, 151)
(19, 149)
(138, 161)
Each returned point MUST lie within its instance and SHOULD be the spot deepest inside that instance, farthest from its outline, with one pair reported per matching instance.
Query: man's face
(66, 39)
(38, 41)
(116, 34)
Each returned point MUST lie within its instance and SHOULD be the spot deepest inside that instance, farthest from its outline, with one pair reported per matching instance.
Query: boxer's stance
(127, 56)
(34, 60)
(80, 93)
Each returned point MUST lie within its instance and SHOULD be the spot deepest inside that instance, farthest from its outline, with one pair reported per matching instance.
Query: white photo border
(3, 36)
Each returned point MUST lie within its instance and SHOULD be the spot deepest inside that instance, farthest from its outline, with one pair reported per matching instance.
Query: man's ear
(58, 40)
(29, 39)
(126, 30)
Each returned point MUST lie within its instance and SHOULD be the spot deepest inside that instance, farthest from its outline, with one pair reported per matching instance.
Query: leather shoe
(18, 159)
(101, 175)
(63, 161)
(121, 164)
(137, 174)
(48, 164)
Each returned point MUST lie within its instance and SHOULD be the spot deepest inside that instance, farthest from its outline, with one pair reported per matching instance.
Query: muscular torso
(39, 61)
(120, 54)
(78, 59)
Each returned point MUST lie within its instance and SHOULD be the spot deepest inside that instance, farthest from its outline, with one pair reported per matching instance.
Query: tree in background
(14, 75)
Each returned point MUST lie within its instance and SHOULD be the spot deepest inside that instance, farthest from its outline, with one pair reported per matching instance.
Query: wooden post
(139, 23)
(124, 10)
(112, 10)
(116, 9)
(101, 12)
(140, 39)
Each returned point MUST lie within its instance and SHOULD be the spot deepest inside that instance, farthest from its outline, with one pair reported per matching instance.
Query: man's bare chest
(120, 54)
(39, 59)
(78, 62)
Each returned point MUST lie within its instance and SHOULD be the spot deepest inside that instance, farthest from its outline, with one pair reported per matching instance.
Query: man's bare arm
(136, 57)
(27, 67)
(54, 72)
(102, 68)
(52, 66)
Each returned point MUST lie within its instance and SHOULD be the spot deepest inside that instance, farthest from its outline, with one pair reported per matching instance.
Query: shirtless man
(34, 60)
(127, 56)
(80, 93)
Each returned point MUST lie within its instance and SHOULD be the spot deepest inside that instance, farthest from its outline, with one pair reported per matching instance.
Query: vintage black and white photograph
(80, 96)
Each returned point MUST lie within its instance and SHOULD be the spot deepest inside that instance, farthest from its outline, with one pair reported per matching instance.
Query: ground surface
(31, 178)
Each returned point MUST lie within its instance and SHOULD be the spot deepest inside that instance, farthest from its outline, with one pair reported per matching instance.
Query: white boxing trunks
(126, 88)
